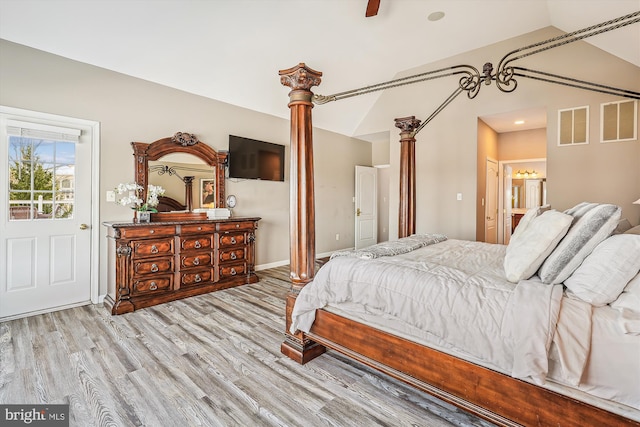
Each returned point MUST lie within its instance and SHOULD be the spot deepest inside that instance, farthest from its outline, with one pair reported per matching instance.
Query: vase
(144, 216)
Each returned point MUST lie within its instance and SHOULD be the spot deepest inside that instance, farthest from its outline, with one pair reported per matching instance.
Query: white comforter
(456, 291)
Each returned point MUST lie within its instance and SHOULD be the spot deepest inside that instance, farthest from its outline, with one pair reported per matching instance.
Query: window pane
(566, 127)
(40, 171)
(19, 164)
(64, 210)
(627, 120)
(20, 210)
(610, 122)
(580, 125)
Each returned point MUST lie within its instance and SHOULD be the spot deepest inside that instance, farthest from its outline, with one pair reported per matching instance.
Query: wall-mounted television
(253, 159)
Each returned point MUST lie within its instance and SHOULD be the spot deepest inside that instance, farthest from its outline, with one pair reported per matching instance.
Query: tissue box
(216, 213)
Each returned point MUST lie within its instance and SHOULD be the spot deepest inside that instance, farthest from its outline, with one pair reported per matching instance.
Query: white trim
(573, 110)
(286, 261)
(44, 311)
(94, 127)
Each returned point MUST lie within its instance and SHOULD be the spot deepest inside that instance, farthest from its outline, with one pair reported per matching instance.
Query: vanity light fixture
(526, 174)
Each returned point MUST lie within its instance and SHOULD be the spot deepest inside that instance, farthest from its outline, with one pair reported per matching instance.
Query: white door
(533, 193)
(366, 207)
(45, 226)
(507, 171)
(491, 203)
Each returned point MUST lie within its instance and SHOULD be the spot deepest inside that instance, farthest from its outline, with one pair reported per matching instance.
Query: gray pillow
(592, 224)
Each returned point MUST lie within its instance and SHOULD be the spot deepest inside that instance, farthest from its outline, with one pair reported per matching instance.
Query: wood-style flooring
(210, 360)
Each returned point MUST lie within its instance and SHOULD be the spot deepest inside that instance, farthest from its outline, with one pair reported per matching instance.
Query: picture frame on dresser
(207, 196)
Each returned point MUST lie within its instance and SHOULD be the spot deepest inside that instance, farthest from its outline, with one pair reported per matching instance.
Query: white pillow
(527, 250)
(593, 223)
(527, 218)
(606, 271)
(629, 298)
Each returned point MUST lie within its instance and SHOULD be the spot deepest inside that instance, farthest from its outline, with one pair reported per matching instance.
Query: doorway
(49, 243)
(366, 215)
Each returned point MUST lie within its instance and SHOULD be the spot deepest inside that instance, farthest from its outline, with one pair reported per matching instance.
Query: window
(619, 121)
(573, 126)
(41, 170)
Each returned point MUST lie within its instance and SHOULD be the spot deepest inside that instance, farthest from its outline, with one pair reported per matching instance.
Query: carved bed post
(302, 204)
(407, 210)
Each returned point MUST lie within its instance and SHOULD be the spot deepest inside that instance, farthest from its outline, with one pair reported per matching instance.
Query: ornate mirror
(210, 190)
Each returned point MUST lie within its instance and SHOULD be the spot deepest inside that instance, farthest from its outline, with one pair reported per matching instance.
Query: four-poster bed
(488, 393)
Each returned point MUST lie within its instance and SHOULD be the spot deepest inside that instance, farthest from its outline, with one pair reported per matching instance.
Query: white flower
(131, 193)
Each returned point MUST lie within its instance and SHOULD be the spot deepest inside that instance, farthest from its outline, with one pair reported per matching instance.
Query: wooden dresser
(157, 262)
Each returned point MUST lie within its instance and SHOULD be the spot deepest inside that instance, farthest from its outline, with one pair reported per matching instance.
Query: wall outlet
(111, 196)
(337, 237)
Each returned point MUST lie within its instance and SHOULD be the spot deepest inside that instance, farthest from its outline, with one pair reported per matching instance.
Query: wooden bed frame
(493, 396)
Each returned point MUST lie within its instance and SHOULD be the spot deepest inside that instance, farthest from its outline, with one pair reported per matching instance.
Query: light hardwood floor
(210, 360)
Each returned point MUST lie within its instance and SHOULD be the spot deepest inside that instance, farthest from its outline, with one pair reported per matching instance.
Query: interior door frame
(486, 198)
(27, 115)
(357, 199)
(501, 190)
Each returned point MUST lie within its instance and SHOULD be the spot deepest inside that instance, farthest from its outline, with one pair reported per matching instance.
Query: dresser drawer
(156, 284)
(152, 266)
(198, 228)
(147, 248)
(232, 239)
(142, 231)
(196, 277)
(202, 259)
(232, 254)
(240, 225)
(231, 270)
(196, 242)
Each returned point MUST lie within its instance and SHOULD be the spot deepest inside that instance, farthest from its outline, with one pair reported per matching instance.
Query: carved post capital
(300, 77)
(407, 124)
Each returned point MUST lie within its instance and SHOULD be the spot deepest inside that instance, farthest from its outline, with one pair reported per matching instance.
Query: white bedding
(476, 314)
(455, 291)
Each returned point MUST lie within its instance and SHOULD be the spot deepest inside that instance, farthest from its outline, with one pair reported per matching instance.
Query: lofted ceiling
(231, 50)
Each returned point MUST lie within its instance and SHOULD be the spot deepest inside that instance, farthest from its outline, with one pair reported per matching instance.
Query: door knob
(83, 226)
(358, 212)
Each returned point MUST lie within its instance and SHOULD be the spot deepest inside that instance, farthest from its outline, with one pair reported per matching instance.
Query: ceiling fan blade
(372, 8)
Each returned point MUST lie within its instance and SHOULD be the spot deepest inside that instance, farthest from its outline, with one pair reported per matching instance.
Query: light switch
(111, 196)
(459, 196)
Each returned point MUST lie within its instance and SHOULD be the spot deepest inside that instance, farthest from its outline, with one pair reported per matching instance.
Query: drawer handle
(233, 271)
(198, 278)
(154, 267)
(233, 240)
(233, 255)
(196, 261)
(197, 245)
(153, 286)
(154, 249)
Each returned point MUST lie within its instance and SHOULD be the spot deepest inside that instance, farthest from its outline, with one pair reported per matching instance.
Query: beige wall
(130, 109)
(446, 152)
(524, 144)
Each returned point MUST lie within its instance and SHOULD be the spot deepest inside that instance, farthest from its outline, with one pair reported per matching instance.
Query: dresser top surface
(118, 224)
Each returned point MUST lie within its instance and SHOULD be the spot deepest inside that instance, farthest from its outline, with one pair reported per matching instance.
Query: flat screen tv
(252, 159)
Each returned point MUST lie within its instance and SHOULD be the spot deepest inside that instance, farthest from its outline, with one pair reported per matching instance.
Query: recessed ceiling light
(435, 16)
(518, 122)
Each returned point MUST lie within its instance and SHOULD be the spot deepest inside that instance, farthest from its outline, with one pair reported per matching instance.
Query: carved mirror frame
(181, 142)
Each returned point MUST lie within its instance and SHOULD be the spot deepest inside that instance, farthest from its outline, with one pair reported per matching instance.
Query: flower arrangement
(131, 193)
